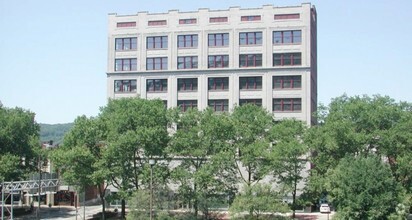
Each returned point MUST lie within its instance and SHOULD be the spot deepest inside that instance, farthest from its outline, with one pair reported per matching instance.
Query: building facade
(218, 58)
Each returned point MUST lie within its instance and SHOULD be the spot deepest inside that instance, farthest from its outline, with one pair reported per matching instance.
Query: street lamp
(151, 163)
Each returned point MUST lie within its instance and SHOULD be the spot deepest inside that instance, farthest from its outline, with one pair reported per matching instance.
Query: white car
(324, 208)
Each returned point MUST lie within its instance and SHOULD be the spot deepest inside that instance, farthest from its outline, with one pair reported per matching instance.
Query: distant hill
(54, 132)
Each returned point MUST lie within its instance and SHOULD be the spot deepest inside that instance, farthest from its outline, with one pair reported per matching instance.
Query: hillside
(54, 132)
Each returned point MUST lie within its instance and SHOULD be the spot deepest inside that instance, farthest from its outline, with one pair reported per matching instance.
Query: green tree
(19, 143)
(289, 155)
(80, 158)
(250, 143)
(204, 173)
(363, 188)
(260, 198)
(137, 131)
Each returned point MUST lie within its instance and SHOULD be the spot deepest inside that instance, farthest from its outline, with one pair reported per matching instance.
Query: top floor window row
(126, 43)
(125, 24)
(187, 41)
(251, 18)
(157, 23)
(188, 21)
(286, 16)
(218, 19)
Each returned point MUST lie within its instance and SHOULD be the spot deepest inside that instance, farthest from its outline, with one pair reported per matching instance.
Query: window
(125, 86)
(126, 24)
(287, 37)
(126, 64)
(187, 84)
(126, 43)
(287, 59)
(157, 23)
(287, 82)
(187, 62)
(184, 105)
(250, 38)
(156, 85)
(250, 60)
(257, 102)
(218, 83)
(251, 18)
(187, 41)
(218, 61)
(158, 42)
(287, 16)
(250, 83)
(219, 105)
(156, 63)
(218, 40)
(188, 21)
(218, 19)
(287, 105)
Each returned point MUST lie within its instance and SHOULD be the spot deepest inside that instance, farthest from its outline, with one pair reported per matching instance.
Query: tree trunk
(123, 214)
(101, 193)
(195, 202)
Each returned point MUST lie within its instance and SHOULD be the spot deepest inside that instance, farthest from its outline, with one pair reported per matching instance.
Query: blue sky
(53, 54)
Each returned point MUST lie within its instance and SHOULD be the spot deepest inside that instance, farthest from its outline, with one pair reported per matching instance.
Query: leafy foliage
(363, 188)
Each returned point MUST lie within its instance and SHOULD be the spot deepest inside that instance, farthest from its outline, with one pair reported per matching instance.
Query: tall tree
(289, 155)
(250, 143)
(363, 188)
(80, 158)
(19, 143)
(204, 173)
(137, 131)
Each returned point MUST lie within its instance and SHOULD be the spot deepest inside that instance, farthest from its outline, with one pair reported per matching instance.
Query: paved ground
(62, 212)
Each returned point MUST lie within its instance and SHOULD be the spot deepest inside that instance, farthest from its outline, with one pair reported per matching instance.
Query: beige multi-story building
(218, 58)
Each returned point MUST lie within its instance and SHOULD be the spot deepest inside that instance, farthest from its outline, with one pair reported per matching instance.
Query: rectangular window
(126, 24)
(188, 21)
(250, 83)
(125, 64)
(287, 105)
(184, 105)
(156, 63)
(187, 41)
(287, 37)
(219, 105)
(218, 19)
(251, 18)
(218, 84)
(187, 84)
(287, 16)
(250, 60)
(218, 40)
(125, 86)
(287, 59)
(250, 38)
(257, 102)
(126, 43)
(156, 85)
(189, 62)
(158, 42)
(287, 82)
(218, 61)
(157, 23)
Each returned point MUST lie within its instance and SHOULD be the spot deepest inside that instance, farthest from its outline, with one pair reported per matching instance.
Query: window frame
(132, 64)
(187, 85)
(218, 19)
(214, 104)
(218, 84)
(291, 80)
(157, 60)
(126, 24)
(132, 83)
(251, 18)
(193, 60)
(184, 105)
(162, 85)
(188, 21)
(188, 41)
(251, 38)
(287, 105)
(218, 39)
(295, 37)
(257, 102)
(213, 59)
(256, 81)
(157, 23)
(286, 16)
(287, 59)
(132, 44)
(154, 41)
(256, 58)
